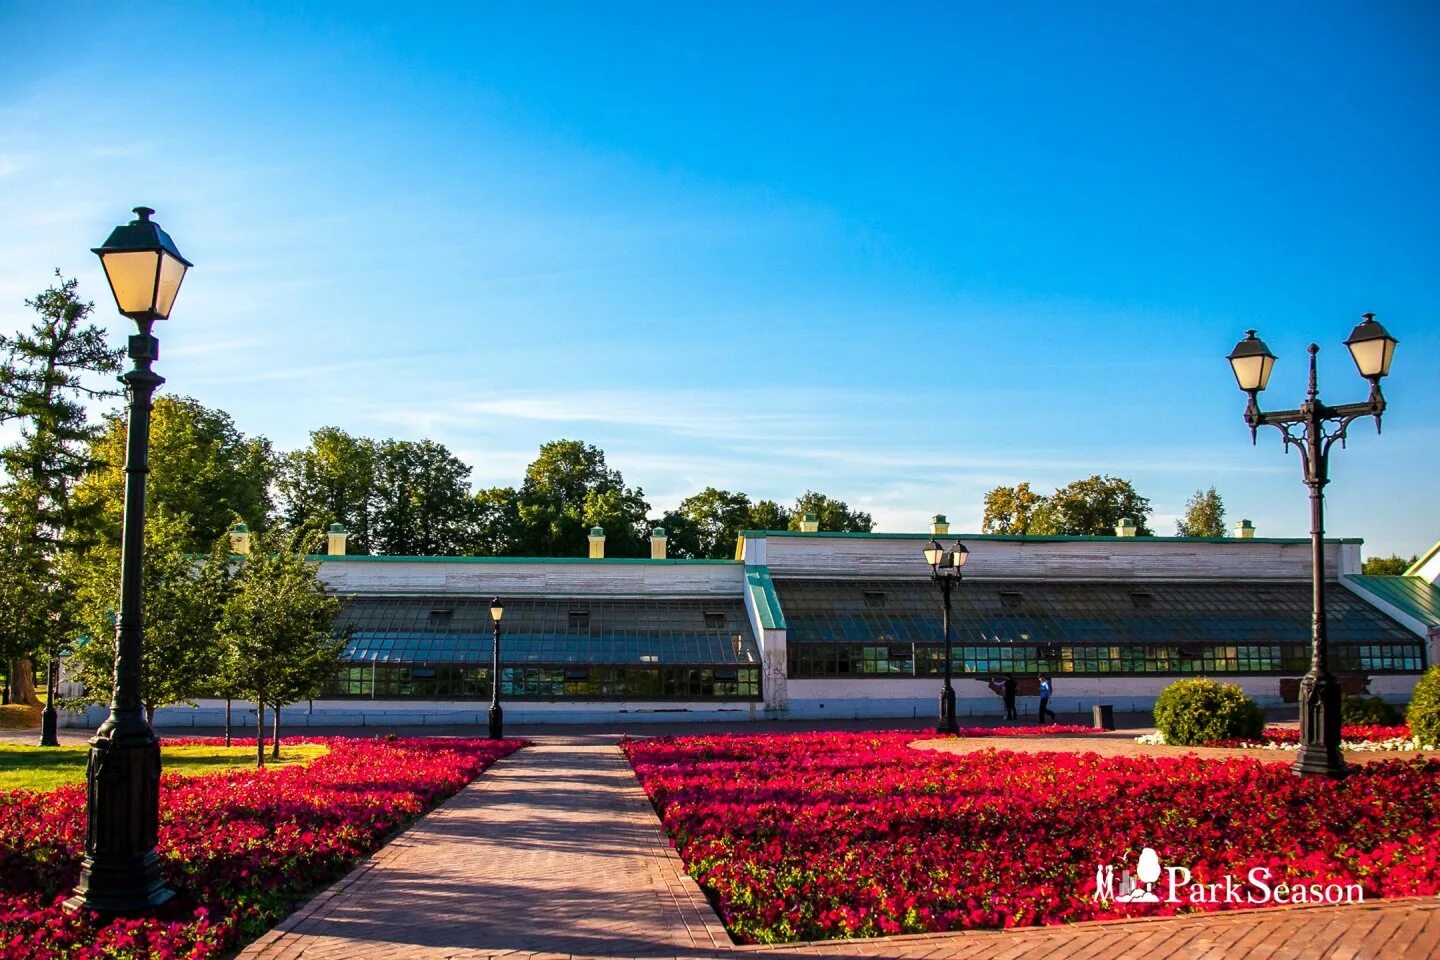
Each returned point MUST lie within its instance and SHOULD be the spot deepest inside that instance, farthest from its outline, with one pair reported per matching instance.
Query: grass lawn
(45, 768)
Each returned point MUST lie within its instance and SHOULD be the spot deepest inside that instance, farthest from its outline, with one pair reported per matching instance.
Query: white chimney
(597, 543)
(939, 526)
(240, 539)
(810, 523)
(335, 540)
(1126, 528)
(657, 543)
(1244, 529)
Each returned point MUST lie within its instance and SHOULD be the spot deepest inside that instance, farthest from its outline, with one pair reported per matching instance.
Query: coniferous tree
(47, 378)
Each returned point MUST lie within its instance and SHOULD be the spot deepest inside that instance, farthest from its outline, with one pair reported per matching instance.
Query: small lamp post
(497, 715)
(946, 569)
(49, 718)
(1313, 430)
(121, 873)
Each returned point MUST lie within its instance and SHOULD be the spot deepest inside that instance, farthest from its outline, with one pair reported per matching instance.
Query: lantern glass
(497, 610)
(1251, 362)
(933, 553)
(960, 554)
(1372, 348)
(132, 279)
(172, 273)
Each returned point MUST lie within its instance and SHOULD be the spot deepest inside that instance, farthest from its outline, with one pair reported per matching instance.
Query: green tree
(423, 505)
(568, 489)
(182, 609)
(1204, 516)
(682, 537)
(331, 481)
(1391, 566)
(28, 625)
(1092, 507)
(277, 630)
(767, 515)
(496, 530)
(716, 517)
(835, 515)
(1017, 510)
(202, 469)
(45, 384)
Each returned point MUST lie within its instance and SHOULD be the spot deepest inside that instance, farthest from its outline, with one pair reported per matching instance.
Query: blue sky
(897, 253)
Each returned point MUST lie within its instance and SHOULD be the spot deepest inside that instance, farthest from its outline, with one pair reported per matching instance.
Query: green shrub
(1193, 712)
(1424, 713)
(1359, 710)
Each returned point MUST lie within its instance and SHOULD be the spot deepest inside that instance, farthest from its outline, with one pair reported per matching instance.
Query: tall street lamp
(497, 716)
(120, 872)
(945, 569)
(1313, 430)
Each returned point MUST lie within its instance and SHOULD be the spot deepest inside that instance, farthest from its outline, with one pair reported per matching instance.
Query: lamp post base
(947, 710)
(1319, 728)
(49, 726)
(121, 873)
(497, 722)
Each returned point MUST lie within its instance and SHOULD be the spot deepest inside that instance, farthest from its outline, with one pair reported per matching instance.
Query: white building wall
(555, 578)
(1113, 559)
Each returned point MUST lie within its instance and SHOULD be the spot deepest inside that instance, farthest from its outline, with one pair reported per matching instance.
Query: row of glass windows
(458, 682)
(835, 659)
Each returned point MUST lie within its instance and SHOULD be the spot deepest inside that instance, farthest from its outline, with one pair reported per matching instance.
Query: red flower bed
(814, 836)
(239, 849)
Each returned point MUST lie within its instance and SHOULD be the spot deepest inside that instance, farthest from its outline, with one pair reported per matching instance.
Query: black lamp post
(120, 872)
(49, 718)
(945, 569)
(497, 715)
(1313, 429)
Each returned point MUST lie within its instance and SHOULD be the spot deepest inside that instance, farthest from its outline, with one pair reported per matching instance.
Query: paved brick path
(555, 852)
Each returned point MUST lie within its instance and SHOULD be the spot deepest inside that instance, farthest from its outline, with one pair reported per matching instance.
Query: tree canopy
(333, 480)
(1089, 507)
(1391, 566)
(202, 468)
(1204, 516)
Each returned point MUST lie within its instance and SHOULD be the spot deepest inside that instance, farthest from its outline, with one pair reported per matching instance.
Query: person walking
(1046, 689)
(1005, 686)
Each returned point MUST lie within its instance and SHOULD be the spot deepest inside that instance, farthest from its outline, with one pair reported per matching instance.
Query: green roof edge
(767, 601)
(1371, 584)
(1056, 538)
(367, 558)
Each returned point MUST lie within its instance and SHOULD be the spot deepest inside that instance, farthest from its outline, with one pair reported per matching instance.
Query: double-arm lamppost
(1312, 430)
(120, 872)
(945, 569)
(497, 716)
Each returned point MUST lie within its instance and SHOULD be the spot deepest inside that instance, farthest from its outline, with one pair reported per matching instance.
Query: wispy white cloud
(790, 414)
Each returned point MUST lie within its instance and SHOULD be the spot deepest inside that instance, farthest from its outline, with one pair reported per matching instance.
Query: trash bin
(1104, 714)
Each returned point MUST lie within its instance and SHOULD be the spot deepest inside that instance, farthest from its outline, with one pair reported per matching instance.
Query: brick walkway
(555, 852)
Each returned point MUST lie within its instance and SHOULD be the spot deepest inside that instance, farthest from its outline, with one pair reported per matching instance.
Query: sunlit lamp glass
(497, 610)
(960, 554)
(143, 267)
(933, 552)
(1252, 362)
(1372, 348)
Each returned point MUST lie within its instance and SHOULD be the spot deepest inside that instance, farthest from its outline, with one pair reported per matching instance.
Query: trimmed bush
(1424, 713)
(1361, 711)
(1193, 712)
